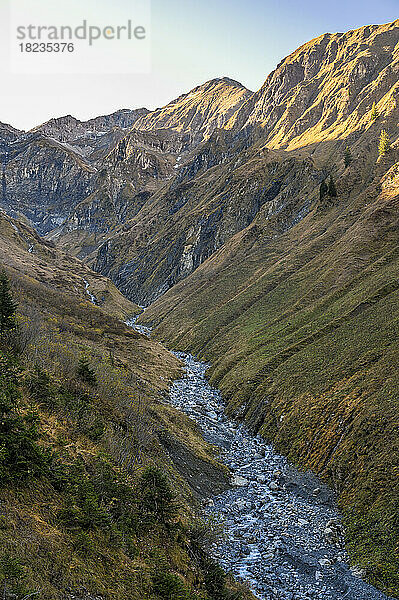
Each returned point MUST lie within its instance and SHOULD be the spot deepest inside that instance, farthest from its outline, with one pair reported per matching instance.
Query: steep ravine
(283, 533)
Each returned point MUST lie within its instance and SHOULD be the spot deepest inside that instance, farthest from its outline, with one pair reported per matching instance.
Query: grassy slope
(302, 329)
(105, 434)
(22, 249)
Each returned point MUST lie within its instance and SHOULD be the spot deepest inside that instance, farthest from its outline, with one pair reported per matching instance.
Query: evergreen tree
(323, 189)
(85, 372)
(7, 305)
(347, 157)
(384, 144)
(38, 384)
(157, 501)
(374, 112)
(332, 190)
(169, 586)
(215, 581)
(20, 454)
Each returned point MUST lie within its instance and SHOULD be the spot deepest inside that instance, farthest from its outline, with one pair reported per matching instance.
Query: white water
(92, 297)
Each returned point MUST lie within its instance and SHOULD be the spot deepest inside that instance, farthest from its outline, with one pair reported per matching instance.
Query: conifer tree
(85, 372)
(384, 143)
(157, 500)
(323, 189)
(7, 305)
(21, 456)
(374, 112)
(347, 157)
(332, 190)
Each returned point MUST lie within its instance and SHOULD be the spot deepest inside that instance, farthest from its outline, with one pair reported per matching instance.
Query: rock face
(8, 133)
(70, 129)
(87, 187)
(194, 215)
(48, 171)
(42, 178)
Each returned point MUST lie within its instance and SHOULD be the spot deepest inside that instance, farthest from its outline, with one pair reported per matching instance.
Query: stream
(283, 533)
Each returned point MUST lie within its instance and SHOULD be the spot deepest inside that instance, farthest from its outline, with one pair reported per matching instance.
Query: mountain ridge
(361, 52)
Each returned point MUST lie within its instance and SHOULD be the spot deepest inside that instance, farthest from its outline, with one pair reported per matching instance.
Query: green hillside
(301, 328)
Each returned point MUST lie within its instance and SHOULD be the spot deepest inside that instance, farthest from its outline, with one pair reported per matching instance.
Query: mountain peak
(217, 81)
(8, 133)
(200, 111)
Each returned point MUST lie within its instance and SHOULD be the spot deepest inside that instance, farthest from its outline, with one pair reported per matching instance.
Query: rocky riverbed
(283, 531)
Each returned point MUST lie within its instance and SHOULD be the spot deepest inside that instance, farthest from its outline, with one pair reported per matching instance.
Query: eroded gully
(283, 533)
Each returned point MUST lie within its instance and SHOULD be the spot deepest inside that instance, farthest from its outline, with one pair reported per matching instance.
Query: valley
(259, 230)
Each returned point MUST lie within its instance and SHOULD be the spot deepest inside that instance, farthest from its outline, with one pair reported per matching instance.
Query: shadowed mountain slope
(301, 328)
(82, 406)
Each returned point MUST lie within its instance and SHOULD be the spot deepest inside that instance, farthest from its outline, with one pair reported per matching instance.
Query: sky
(191, 41)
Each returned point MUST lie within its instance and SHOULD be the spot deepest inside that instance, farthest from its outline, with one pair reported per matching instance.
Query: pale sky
(191, 41)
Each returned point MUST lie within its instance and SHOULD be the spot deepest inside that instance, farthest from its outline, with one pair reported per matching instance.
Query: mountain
(325, 90)
(49, 171)
(262, 231)
(69, 129)
(60, 171)
(46, 180)
(225, 181)
(199, 112)
(189, 218)
(8, 133)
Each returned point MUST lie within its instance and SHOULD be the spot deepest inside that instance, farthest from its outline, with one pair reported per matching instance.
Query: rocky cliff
(317, 102)
(190, 218)
(42, 178)
(46, 180)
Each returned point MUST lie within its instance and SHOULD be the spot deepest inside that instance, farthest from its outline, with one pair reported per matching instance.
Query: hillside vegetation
(93, 500)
